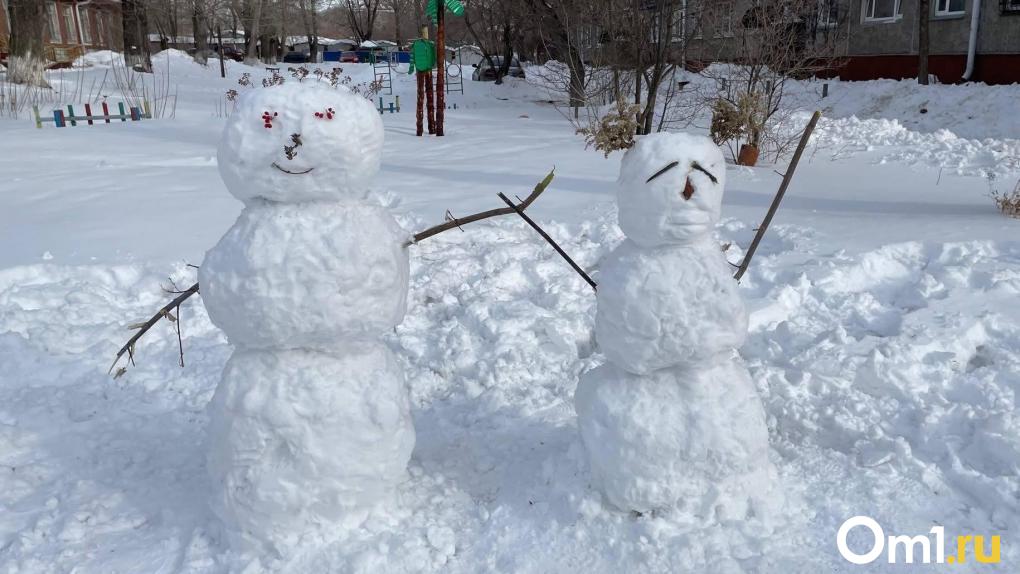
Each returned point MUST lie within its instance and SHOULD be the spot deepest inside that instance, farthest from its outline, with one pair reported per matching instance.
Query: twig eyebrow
(697, 166)
(662, 171)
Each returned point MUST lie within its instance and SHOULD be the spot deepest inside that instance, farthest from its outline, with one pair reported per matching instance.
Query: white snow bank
(107, 58)
(889, 381)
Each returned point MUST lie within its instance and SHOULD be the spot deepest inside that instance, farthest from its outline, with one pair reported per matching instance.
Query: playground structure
(393, 107)
(61, 120)
(382, 72)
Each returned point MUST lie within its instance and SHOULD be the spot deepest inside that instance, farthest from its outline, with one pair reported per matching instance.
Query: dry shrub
(1008, 202)
(613, 131)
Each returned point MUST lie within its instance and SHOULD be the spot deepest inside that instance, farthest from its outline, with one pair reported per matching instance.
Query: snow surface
(884, 339)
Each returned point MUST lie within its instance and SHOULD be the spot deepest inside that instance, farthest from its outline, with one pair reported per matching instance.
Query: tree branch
(550, 240)
(455, 223)
(164, 312)
(143, 328)
(779, 196)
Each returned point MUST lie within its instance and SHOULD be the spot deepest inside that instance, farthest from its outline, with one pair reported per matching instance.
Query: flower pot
(748, 155)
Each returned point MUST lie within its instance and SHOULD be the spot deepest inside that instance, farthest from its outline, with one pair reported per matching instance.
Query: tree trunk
(253, 35)
(396, 24)
(136, 39)
(508, 54)
(27, 61)
(198, 29)
(923, 19)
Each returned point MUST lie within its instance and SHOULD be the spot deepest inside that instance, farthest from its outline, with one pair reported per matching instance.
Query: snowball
(693, 439)
(336, 158)
(306, 275)
(656, 213)
(299, 439)
(674, 305)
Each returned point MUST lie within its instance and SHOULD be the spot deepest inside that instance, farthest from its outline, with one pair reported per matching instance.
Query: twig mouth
(277, 166)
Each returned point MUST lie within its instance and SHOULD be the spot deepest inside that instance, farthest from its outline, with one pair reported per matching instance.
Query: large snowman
(673, 421)
(310, 425)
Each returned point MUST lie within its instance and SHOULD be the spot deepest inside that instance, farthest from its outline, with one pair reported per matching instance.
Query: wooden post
(430, 106)
(123, 116)
(38, 119)
(420, 107)
(70, 115)
(88, 113)
(145, 107)
(58, 118)
(106, 112)
(440, 65)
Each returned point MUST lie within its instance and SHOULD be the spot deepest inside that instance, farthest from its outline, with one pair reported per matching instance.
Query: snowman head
(670, 188)
(300, 142)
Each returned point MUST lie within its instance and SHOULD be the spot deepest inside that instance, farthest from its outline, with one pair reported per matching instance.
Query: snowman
(310, 426)
(672, 420)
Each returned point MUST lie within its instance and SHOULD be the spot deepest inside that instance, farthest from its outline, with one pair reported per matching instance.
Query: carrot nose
(688, 190)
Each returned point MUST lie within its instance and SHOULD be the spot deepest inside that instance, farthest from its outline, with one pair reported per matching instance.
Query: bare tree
(778, 42)
(252, 33)
(361, 15)
(27, 60)
(492, 24)
(136, 37)
(310, 18)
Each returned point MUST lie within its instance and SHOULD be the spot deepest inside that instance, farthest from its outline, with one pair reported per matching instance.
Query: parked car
(231, 53)
(486, 73)
(349, 58)
(295, 57)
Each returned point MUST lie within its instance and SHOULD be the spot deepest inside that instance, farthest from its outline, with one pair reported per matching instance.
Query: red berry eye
(328, 114)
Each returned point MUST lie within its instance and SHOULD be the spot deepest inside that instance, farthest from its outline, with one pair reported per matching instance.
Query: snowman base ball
(693, 440)
(299, 440)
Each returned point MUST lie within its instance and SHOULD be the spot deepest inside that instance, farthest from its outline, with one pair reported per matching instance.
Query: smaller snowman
(673, 420)
(310, 426)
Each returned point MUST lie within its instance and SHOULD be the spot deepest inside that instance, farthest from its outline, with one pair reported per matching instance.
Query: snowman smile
(277, 166)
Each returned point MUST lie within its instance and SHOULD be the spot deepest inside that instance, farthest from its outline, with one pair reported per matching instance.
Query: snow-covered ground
(885, 339)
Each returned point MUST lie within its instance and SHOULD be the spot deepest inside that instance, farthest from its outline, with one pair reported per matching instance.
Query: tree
(491, 24)
(252, 34)
(778, 42)
(310, 18)
(923, 19)
(27, 60)
(136, 39)
(199, 29)
(361, 15)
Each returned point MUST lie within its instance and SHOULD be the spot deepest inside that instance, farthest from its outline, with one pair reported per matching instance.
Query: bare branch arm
(143, 328)
(455, 223)
(779, 196)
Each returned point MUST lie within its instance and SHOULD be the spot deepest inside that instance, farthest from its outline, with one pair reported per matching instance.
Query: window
(949, 7)
(679, 21)
(828, 13)
(69, 28)
(1011, 6)
(53, 23)
(86, 26)
(723, 20)
(883, 10)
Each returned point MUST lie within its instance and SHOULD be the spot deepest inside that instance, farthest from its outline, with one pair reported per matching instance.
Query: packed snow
(883, 345)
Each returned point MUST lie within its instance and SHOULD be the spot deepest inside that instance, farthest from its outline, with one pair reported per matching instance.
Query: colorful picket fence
(62, 120)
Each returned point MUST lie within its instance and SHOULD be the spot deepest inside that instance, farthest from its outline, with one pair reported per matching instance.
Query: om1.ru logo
(913, 545)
